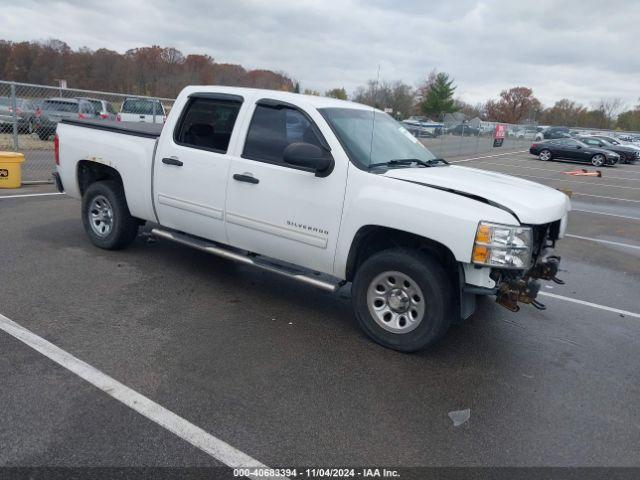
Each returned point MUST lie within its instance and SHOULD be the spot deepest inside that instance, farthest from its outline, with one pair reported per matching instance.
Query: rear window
(60, 106)
(142, 107)
(207, 124)
(97, 105)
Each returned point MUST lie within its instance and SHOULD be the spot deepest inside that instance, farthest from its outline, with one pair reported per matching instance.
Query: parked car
(464, 130)
(25, 111)
(627, 154)
(55, 109)
(103, 108)
(422, 129)
(356, 199)
(575, 150)
(618, 141)
(145, 110)
(555, 132)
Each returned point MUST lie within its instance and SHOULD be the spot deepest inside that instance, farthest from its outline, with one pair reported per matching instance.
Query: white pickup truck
(325, 192)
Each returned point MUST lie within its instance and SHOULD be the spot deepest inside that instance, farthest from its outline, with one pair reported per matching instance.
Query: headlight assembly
(503, 246)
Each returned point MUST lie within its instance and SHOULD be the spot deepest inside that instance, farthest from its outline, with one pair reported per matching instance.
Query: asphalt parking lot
(280, 371)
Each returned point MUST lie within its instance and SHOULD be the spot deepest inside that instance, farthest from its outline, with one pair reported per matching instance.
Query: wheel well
(91, 172)
(372, 239)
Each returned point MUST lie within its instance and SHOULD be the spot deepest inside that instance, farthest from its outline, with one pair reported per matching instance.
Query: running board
(249, 259)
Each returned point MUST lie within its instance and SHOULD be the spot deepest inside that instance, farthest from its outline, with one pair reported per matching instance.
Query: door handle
(245, 178)
(172, 161)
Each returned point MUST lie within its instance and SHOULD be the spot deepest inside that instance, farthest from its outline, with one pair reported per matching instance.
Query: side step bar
(221, 251)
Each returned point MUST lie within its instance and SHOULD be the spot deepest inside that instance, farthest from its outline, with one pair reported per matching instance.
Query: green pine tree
(439, 98)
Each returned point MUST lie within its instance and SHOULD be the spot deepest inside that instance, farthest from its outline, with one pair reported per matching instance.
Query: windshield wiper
(410, 161)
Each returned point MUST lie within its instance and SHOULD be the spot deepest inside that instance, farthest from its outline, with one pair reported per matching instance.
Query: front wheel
(106, 217)
(597, 160)
(403, 299)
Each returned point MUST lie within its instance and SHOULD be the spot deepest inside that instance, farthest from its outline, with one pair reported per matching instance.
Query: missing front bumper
(514, 288)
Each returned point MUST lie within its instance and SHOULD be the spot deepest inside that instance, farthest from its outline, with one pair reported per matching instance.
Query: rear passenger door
(277, 209)
(191, 166)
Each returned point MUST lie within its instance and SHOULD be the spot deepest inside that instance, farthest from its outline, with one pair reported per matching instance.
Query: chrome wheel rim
(597, 160)
(396, 302)
(545, 155)
(100, 216)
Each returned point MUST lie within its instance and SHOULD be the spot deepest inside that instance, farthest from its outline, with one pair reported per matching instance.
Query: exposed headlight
(505, 246)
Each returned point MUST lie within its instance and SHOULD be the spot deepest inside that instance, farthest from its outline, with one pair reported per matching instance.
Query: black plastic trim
(145, 130)
(227, 97)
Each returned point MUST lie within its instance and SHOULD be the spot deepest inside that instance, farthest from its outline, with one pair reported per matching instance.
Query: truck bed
(138, 129)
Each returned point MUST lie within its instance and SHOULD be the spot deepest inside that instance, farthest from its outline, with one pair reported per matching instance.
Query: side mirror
(309, 157)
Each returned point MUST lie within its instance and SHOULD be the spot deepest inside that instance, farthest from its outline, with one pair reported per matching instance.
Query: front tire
(106, 217)
(403, 299)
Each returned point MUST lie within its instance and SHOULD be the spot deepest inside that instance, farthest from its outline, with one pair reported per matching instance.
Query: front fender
(441, 216)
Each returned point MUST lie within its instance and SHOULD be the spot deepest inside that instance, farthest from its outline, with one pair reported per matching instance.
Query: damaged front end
(518, 286)
(520, 257)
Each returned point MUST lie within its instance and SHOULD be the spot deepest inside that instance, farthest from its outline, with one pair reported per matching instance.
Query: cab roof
(254, 94)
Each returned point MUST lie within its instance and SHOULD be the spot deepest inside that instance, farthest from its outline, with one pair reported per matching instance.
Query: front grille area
(542, 236)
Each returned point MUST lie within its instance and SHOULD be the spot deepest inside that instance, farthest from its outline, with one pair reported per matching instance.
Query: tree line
(164, 71)
(435, 97)
(154, 70)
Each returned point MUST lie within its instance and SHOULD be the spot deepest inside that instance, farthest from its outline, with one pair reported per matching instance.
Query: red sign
(499, 134)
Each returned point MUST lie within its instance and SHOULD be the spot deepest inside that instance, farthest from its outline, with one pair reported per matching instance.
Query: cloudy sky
(582, 49)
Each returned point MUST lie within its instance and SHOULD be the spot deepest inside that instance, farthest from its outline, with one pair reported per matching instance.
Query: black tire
(123, 228)
(434, 283)
(543, 154)
(623, 158)
(599, 160)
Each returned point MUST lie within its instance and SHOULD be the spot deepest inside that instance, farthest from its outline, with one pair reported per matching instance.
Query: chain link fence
(460, 136)
(30, 113)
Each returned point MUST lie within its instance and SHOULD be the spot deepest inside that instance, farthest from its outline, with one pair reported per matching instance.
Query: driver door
(279, 210)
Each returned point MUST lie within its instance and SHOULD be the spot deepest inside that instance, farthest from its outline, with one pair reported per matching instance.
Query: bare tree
(610, 107)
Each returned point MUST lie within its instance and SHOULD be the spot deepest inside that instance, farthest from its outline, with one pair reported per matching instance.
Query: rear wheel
(598, 160)
(403, 299)
(623, 158)
(545, 155)
(106, 217)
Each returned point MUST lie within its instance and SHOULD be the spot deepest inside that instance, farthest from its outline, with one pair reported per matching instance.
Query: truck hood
(532, 203)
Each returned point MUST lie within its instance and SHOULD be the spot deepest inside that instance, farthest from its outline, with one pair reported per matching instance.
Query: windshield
(372, 137)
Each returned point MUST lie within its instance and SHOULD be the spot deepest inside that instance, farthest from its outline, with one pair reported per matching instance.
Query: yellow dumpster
(11, 169)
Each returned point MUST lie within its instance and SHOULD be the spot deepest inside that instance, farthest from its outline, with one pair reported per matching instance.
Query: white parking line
(566, 181)
(553, 170)
(603, 213)
(589, 304)
(189, 432)
(30, 195)
(605, 197)
(598, 240)
(487, 156)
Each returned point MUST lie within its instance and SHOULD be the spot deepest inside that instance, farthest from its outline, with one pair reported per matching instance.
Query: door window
(207, 124)
(274, 129)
